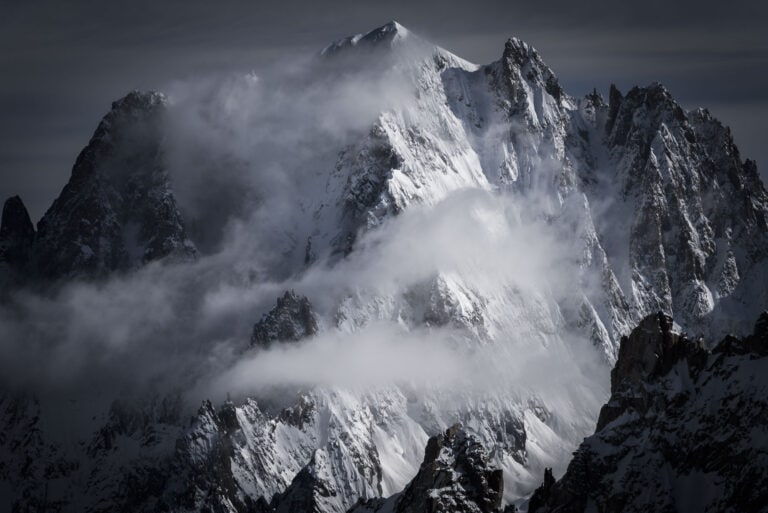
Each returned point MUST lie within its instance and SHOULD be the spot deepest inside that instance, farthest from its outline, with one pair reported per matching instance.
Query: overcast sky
(63, 62)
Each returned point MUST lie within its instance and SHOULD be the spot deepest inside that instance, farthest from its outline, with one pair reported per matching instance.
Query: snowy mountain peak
(391, 27)
(518, 47)
(387, 36)
(139, 100)
(479, 207)
(522, 61)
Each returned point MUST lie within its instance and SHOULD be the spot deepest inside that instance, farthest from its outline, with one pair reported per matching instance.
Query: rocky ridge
(696, 249)
(684, 429)
(292, 319)
(117, 211)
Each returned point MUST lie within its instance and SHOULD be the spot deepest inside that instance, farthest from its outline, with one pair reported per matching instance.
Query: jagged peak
(521, 61)
(135, 113)
(291, 320)
(391, 27)
(595, 98)
(17, 232)
(654, 100)
(518, 48)
(135, 106)
(457, 474)
(520, 53)
(15, 218)
(654, 95)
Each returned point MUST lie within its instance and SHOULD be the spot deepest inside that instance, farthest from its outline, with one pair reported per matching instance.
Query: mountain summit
(387, 35)
(472, 250)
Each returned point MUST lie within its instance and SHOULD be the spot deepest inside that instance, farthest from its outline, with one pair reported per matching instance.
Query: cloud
(461, 295)
(187, 325)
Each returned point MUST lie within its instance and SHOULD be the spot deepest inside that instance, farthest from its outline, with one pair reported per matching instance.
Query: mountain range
(413, 276)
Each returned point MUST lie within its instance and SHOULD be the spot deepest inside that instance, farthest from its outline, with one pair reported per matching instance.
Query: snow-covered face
(460, 290)
(242, 141)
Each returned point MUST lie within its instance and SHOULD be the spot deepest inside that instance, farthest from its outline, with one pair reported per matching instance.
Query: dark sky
(63, 62)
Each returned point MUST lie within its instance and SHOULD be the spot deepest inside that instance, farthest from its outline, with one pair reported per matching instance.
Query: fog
(247, 155)
(183, 324)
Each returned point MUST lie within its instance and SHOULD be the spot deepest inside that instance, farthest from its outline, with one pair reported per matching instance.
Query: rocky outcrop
(17, 236)
(456, 476)
(117, 211)
(698, 232)
(312, 490)
(657, 211)
(202, 471)
(684, 429)
(292, 319)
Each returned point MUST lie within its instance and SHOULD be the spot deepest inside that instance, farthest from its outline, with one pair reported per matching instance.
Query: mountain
(291, 320)
(684, 429)
(17, 234)
(501, 236)
(456, 475)
(117, 211)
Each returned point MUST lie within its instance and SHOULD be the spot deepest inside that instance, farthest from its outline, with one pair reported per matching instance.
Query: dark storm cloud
(63, 62)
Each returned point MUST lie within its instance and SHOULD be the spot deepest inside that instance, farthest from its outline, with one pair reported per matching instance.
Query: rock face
(684, 430)
(655, 211)
(312, 490)
(291, 320)
(456, 476)
(697, 238)
(17, 234)
(117, 211)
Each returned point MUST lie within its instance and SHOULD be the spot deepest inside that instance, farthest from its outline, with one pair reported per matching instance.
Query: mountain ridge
(650, 208)
(683, 422)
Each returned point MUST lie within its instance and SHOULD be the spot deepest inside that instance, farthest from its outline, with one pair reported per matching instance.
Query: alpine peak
(387, 35)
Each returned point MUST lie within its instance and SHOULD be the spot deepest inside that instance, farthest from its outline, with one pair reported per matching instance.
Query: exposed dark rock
(202, 467)
(311, 490)
(117, 211)
(291, 320)
(17, 234)
(523, 59)
(542, 494)
(456, 476)
(684, 429)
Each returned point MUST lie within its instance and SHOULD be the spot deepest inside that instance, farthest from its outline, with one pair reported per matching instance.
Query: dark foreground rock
(686, 429)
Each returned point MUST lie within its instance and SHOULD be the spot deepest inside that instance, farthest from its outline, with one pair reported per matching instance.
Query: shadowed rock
(117, 211)
(684, 429)
(17, 234)
(291, 320)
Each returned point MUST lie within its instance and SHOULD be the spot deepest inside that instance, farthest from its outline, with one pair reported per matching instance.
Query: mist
(245, 155)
